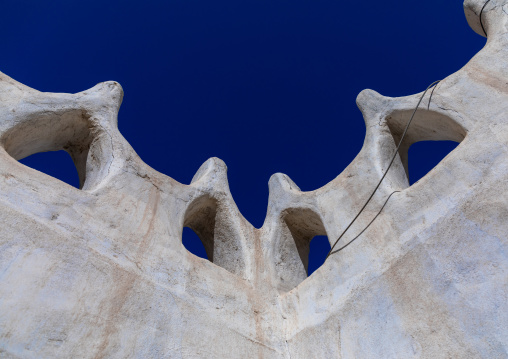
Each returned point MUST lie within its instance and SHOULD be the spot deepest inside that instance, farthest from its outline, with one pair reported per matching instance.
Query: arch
(427, 125)
(69, 131)
(200, 218)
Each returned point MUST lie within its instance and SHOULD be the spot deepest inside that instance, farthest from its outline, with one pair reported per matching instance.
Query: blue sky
(267, 85)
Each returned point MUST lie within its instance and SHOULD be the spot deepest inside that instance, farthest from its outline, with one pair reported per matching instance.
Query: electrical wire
(481, 13)
(368, 225)
(391, 162)
(382, 178)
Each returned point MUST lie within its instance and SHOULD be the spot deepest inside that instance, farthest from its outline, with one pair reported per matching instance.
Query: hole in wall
(47, 133)
(293, 258)
(222, 240)
(200, 219)
(439, 134)
(425, 155)
(57, 164)
(319, 248)
(193, 244)
(304, 225)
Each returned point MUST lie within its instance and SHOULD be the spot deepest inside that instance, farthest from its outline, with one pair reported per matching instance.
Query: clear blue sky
(266, 85)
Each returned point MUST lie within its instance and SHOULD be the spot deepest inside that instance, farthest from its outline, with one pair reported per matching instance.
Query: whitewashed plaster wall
(101, 272)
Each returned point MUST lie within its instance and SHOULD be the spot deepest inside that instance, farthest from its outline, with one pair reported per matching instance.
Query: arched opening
(222, 241)
(431, 137)
(425, 155)
(193, 244)
(292, 248)
(70, 131)
(200, 220)
(319, 248)
(57, 164)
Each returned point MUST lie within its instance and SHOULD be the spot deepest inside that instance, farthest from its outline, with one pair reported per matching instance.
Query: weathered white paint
(101, 272)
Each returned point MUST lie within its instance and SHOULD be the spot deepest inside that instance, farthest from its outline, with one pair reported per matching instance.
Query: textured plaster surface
(102, 272)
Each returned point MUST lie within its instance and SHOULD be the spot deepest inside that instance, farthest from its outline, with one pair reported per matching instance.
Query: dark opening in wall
(200, 221)
(425, 155)
(319, 248)
(57, 164)
(221, 239)
(48, 138)
(292, 249)
(430, 137)
(193, 244)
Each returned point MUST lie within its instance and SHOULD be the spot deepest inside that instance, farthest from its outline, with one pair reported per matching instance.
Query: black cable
(382, 178)
(481, 13)
(430, 98)
(368, 225)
